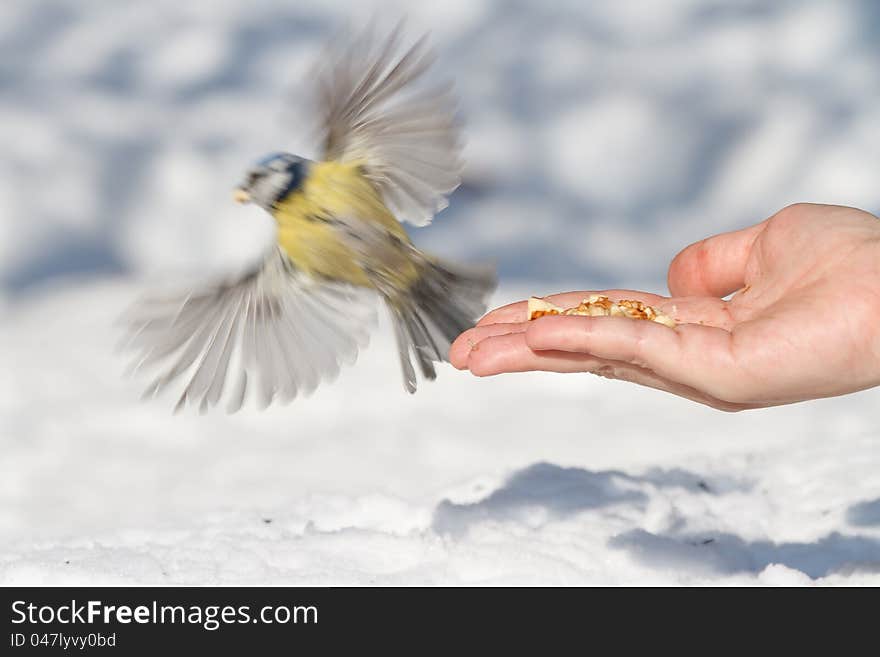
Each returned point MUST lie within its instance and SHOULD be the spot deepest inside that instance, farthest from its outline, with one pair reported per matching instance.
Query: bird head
(272, 179)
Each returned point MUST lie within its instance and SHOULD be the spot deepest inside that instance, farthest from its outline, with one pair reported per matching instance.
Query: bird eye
(252, 178)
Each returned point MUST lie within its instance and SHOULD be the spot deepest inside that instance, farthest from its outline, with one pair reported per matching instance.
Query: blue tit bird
(391, 154)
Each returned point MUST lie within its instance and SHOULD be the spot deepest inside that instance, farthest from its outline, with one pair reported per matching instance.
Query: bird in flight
(390, 154)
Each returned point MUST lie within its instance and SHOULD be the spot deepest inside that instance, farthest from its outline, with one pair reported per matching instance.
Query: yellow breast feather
(306, 229)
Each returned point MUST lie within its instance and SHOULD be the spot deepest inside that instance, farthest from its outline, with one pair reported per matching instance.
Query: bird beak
(241, 196)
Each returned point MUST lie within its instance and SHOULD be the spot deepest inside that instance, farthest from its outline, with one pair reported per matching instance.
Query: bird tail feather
(444, 301)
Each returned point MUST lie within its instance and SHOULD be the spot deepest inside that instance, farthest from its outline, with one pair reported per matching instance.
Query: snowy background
(124, 126)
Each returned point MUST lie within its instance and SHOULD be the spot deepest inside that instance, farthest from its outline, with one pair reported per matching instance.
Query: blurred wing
(273, 330)
(373, 110)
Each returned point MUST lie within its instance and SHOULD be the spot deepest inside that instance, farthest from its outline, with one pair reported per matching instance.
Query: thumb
(713, 267)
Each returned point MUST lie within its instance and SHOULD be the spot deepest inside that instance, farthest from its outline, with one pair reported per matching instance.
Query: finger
(464, 343)
(516, 312)
(697, 356)
(714, 266)
(512, 312)
(633, 374)
(510, 353)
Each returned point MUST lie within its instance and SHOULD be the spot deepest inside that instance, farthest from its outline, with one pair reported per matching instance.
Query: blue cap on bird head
(278, 159)
(272, 179)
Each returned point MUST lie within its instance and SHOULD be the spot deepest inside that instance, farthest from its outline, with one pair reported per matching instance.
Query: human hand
(804, 322)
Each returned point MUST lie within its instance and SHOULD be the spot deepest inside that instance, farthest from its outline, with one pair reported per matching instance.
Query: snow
(126, 124)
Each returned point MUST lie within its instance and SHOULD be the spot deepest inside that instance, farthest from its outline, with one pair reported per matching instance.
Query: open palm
(803, 322)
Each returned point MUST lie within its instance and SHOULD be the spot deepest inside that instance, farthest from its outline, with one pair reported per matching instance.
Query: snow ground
(125, 124)
(521, 479)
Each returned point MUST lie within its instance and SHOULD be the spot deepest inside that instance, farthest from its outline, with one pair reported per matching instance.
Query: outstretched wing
(374, 110)
(273, 330)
